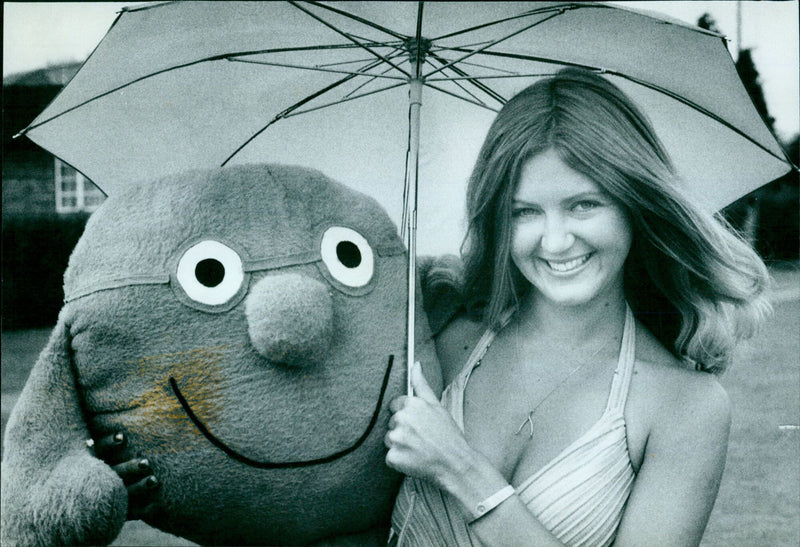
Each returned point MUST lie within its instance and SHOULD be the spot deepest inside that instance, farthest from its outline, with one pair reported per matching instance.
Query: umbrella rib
(560, 9)
(342, 33)
(347, 98)
(457, 96)
(315, 68)
(659, 89)
(353, 61)
(456, 82)
(654, 87)
(530, 58)
(365, 83)
(698, 108)
(287, 111)
(292, 112)
(490, 77)
(479, 65)
(220, 57)
(464, 75)
(494, 42)
(576, 5)
(361, 20)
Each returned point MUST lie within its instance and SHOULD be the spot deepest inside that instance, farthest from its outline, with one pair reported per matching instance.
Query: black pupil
(348, 254)
(210, 272)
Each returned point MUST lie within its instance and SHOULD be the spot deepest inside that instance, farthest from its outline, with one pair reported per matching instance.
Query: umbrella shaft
(414, 105)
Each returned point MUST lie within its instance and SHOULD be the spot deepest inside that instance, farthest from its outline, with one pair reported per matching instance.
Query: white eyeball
(348, 256)
(210, 272)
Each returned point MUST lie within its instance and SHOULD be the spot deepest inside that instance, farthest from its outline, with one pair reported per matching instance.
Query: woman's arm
(425, 442)
(680, 473)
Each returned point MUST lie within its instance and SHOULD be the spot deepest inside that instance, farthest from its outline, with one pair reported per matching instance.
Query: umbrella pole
(414, 103)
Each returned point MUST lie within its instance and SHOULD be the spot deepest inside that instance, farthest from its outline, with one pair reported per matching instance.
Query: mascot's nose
(290, 319)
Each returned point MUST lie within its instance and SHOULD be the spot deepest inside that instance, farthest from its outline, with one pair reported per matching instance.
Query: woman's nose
(556, 237)
(290, 319)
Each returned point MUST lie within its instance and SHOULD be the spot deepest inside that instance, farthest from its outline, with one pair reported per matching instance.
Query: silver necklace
(529, 420)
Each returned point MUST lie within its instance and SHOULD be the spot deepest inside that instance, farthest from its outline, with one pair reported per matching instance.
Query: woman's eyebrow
(595, 194)
(588, 194)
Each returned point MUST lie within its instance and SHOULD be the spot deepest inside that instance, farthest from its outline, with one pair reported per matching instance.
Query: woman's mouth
(567, 266)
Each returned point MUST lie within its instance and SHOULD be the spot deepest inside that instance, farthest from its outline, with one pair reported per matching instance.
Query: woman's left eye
(584, 206)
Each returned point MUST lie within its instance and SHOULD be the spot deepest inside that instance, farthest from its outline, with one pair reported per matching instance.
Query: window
(74, 192)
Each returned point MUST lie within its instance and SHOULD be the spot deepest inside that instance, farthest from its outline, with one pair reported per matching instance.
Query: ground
(758, 503)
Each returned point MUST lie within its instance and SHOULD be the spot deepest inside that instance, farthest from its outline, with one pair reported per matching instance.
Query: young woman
(582, 406)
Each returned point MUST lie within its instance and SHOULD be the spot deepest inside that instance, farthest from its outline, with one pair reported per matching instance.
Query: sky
(37, 34)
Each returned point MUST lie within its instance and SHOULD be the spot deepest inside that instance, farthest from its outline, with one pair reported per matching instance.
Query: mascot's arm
(55, 492)
(441, 278)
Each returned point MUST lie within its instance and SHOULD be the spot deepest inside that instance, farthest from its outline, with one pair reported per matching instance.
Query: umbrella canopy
(341, 86)
(181, 85)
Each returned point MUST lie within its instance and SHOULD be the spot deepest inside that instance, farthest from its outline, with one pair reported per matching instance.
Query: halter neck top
(579, 496)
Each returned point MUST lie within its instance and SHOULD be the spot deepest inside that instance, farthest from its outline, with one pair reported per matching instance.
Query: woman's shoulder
(455, 343)
(665, 372)
(676, 398)
(677, 389)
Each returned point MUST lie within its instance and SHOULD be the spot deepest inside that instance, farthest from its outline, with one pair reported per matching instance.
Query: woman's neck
(571, 324)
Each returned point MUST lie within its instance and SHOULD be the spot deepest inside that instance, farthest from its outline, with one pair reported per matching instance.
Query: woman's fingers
(143, 488)
(141, 497)
(109, 448)
(397, 403)
(420, 385)
(133, 471)
(136, 513)
(137, 474)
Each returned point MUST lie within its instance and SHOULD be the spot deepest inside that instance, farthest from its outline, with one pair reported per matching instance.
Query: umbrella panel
(181, 103)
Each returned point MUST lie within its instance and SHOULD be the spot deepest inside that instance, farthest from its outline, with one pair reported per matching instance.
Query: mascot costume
(246, 329)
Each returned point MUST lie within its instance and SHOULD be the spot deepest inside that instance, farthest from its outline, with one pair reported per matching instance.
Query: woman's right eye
(523, 212)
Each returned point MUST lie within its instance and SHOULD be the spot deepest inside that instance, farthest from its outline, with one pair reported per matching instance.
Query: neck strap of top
(624, 370)
(622, 374)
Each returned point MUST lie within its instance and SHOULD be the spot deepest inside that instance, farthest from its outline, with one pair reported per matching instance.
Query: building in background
(34, 182)
(46, 204)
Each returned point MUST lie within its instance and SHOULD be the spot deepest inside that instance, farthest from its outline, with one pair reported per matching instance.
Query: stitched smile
(278, 465)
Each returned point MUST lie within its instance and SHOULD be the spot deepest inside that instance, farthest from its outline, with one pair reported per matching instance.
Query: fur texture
(250, 370)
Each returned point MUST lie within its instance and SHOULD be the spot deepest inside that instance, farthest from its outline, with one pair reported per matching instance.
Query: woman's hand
(423, 439)
(136, 474)
(425, 442)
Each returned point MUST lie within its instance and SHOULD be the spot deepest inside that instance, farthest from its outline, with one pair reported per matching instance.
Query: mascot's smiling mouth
(278, 465)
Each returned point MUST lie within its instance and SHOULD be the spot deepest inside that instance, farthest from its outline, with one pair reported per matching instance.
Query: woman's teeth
(568, 265)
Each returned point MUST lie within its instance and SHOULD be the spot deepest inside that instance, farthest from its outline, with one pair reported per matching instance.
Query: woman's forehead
(546, 177)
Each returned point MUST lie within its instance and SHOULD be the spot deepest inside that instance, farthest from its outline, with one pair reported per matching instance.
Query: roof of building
(54, 75)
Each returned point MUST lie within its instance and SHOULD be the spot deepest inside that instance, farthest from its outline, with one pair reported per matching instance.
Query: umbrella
(341, 86)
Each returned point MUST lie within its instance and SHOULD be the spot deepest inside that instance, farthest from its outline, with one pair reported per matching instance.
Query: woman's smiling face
(570, 238)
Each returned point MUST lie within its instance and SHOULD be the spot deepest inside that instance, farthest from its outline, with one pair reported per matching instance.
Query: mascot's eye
(210, 272)
(348, 256)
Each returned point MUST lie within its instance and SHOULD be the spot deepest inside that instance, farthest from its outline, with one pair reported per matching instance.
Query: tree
(767, 217)
(749, 76)
(707, 22)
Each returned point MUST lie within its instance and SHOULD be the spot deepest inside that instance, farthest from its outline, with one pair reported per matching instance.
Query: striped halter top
(579, 496)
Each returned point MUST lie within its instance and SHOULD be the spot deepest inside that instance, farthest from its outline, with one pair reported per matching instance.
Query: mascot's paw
(441, 278)
(81, 502)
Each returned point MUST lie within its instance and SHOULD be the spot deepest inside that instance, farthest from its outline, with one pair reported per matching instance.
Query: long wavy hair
(689, 278)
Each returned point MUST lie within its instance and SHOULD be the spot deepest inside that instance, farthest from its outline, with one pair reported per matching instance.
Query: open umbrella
(340, 87)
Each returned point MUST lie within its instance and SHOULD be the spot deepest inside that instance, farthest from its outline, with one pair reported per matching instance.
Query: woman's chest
(522, 421)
